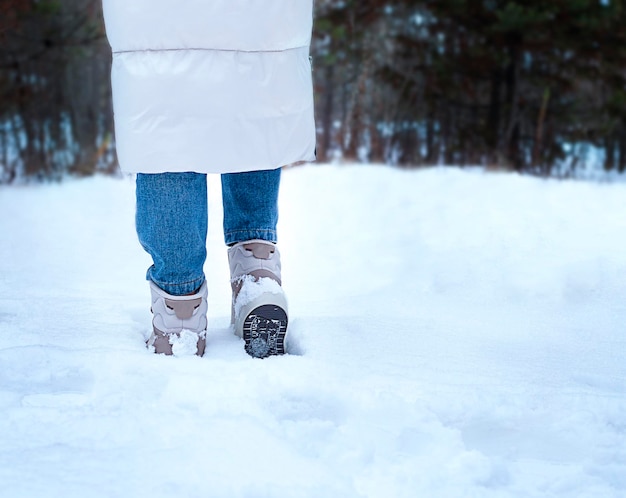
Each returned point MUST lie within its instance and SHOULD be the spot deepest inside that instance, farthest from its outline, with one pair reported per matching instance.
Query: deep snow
(453, 334)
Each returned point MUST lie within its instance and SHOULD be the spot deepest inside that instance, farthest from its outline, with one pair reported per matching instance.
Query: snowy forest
(529, 86)
(452, 265)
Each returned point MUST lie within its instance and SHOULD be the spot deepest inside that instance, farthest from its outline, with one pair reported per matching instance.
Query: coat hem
(217, 171)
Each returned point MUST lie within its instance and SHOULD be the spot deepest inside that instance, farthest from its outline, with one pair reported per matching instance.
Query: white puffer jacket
(211, 86)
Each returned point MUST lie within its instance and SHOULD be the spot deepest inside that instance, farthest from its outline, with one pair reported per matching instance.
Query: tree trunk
(609, 153)
(510, 146)
(431, 152)
(327, 113)
(493, 115)
(622, 150)
(538, 149)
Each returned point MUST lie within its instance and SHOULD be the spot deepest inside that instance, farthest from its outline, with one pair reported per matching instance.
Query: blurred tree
(517, 84)
(54, 108)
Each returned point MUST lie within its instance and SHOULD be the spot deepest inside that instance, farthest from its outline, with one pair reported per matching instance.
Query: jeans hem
(179, 289)
(236, 236)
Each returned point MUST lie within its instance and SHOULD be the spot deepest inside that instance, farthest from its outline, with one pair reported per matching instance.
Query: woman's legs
(171, 223)
(250, 205)
(250, 216)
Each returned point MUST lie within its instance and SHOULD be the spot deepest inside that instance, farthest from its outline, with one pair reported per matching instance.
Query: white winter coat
(211, 85)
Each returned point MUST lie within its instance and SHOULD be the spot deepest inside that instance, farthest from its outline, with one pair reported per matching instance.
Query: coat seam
(150, 50)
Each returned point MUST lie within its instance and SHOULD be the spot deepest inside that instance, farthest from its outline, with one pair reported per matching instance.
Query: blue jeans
(171, 221)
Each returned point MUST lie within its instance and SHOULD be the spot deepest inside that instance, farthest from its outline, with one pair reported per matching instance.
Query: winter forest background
(531, 86)
(454, 331)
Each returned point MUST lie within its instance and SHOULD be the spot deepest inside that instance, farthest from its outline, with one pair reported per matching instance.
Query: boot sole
(265, 330)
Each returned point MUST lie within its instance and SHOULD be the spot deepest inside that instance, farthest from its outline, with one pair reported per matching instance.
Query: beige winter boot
(259, 311)
(179, 322)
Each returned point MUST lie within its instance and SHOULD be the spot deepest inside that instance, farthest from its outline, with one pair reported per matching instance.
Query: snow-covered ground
(454, 334)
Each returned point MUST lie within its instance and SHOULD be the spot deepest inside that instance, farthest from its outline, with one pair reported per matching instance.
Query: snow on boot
(259, 312)
(179, 322)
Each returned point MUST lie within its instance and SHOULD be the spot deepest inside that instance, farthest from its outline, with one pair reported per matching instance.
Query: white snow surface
(185, 343)
(454, 333)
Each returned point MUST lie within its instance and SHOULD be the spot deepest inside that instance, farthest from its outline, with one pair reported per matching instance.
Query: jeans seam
(254, 234)
(252, 230)
(161, 284)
